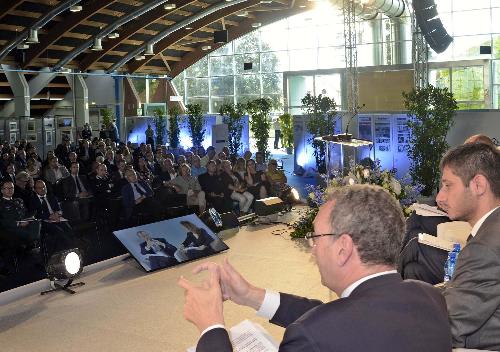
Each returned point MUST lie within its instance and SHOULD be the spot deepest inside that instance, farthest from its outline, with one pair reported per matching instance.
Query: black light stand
(65, 287)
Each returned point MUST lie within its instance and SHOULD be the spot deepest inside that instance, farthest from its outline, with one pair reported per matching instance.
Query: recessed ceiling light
(266, 1)
(206, 47)
(169, 6)
(76, 8)
(188, 28)
(114, 35)
(140, 57)
(256, 24)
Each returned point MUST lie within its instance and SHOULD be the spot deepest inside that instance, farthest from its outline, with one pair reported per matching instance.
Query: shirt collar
(478, 224)
(347, 292)
(7, 198)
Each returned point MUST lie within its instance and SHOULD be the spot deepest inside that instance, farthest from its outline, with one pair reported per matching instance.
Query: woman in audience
(33, 169)
(235, 189)
(239, 169)
(143, 171)
(256, 181)
(127, 156)
(186, 184)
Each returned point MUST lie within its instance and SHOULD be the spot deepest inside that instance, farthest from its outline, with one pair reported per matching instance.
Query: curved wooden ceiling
(69, 30)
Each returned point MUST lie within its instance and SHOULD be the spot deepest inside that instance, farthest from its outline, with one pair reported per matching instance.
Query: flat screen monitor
(170, 242)
(65, 122)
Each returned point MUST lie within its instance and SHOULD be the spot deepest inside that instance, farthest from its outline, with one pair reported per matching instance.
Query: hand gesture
(234, 286)
(203, 305)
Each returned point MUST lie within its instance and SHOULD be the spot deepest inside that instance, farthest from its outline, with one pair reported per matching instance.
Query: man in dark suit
(76, 193)
(56, 231)
(137, 197)
(161, 254)
(470, 192)
(356, 241)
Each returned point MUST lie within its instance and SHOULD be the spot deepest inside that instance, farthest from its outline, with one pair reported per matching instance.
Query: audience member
(234, 189)
(255, 181)
(137, 197)
(211, 184)
(54, 172)
(23, 188)
(209, 156)
(260, 164)
(276, 178)
(10, 173)
(356, 241)
(143, 171)
(196, 168)
(186, 184)
(76, 193)
(62, 150)
(470, 191)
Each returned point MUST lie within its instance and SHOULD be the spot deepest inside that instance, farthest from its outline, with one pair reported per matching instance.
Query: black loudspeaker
(268, 206)
(485, 50)
(247, 66)
(221, 36)
(218, 222)
(431, 26)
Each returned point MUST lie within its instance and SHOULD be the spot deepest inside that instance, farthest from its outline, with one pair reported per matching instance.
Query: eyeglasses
(310, 236)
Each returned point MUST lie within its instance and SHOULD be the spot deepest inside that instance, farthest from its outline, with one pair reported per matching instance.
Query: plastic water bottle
(449, 266)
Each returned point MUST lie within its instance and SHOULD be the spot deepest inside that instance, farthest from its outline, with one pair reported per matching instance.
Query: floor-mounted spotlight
(149, 50)
(64, 265)
(76, 8)
(33, 37)
(169, 6)
(97, 44)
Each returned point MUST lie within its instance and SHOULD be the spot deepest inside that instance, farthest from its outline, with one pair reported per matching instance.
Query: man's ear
(344, 249)
(479, 184)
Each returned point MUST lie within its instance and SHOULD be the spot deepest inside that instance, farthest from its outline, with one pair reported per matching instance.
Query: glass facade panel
(196, 87)
(247, 84)
(272, 83)
(468, 47)
(467, 86)
(272, 40)
(298, 87)
(222, 85)
(440, 78)
(240, 60)
(223, 50)
(443, 5)
(198, 69)
(302, 38)
(221, 65)
(305, 59)
(178, 83)
(462, 22)
(329, 85)
(217, 102)
(248, 43)
(460, 5)
(275, 61)
(202, 101)
(331, 57)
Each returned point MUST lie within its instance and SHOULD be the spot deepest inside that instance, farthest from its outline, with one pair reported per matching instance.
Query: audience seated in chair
(186, 184)
(234, 189)
(76, 192)
(137, 198)
(211, 183)
(54, 172)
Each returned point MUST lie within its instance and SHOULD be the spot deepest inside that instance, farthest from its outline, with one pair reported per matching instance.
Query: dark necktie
(78, 186)
(45, 207)
(139, 190)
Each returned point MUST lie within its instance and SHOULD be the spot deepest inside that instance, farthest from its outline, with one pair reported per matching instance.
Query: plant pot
(289, 150)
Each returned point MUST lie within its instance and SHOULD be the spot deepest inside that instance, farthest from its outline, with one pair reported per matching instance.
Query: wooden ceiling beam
(63, 27)
(129, 30)
(8, 5)
(196, 26)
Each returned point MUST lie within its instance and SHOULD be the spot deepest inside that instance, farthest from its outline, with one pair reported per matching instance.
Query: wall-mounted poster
(31, 137)
(31, 127)
(48, 137)
(12, 126)
(12, 137)
(170, 242)
(383, 133)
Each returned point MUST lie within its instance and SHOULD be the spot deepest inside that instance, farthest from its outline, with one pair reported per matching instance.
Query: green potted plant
(322, 113)
(196, 120)
(160, 123)
(431, 111)
(173, 130)
(286, 124)
(260, 122)
(107, 117)
(232, 115)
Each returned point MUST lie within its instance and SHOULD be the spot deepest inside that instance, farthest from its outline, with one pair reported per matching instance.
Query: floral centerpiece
(402, 190)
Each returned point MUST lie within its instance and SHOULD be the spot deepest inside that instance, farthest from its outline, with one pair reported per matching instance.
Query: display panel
(170, 242)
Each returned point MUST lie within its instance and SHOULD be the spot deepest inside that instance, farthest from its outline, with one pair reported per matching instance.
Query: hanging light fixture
(169, 6)
(140, 57)
(33, 37)
(149, 50)
(114, 35)
(76, 8)
(22, 46)
(97, 44)
(206, 47)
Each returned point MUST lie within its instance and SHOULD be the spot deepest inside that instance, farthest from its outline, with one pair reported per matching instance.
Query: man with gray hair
(470, 191)
(356, 241)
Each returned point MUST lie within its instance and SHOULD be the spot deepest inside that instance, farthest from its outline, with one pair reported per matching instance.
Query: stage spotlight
(97, 44)
(64, 265)
(33, 37)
